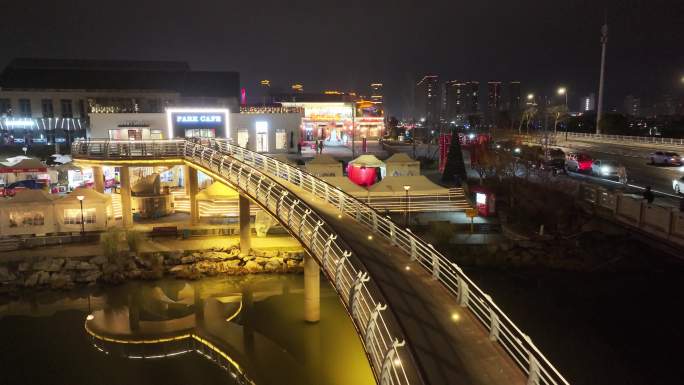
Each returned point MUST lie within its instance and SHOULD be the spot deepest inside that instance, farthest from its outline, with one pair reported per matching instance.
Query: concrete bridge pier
(192, 189)
(312, 290)
(98, 176)
(245, 230)
(127, 214)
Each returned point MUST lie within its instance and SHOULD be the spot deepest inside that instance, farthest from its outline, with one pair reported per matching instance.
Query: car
(678, 185)
(605, 168)
(665, 158)
(577, 162)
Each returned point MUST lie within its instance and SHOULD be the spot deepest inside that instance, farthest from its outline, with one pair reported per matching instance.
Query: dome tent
(401, 164)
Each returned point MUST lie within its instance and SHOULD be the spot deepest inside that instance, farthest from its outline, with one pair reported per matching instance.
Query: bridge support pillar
(126, 208)
(98, 176)
(245, 230)
(312, 295)
(192, 190)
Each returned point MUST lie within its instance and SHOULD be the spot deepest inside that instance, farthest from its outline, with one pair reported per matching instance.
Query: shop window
(73, 216)
(155, 134)
(280, 140)
(25, 107)
(48, 110)
(67, 108)
(261, 129)
(5, 107)
(243, 138)
(26, 218)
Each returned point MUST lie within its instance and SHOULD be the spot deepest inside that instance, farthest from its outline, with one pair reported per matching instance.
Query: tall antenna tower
(599, 108)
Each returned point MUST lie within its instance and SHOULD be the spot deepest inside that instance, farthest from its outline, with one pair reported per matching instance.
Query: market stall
(324, 165)
(29, 212)
(401, 164)
(366, 170)
(97, 211)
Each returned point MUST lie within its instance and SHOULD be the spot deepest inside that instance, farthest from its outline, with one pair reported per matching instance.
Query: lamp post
(562, 91)
(80, 200)
(406, 205)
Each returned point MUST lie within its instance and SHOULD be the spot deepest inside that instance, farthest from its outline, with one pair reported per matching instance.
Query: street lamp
(80, 200)
(530, 96)
(406, 207)
(562, 91)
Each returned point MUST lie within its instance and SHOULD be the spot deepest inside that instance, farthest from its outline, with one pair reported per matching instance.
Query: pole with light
(80, 200)
(406, 205)
(562, 91)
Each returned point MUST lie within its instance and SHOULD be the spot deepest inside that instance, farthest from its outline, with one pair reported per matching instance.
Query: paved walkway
(449, 344)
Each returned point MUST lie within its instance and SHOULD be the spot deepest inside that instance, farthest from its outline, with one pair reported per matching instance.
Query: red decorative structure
(362, 175)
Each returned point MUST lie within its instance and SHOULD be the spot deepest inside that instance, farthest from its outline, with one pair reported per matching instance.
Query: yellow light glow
(397, 362)
(90, 317)
(408, 267)
(370, 237)
(455, 317)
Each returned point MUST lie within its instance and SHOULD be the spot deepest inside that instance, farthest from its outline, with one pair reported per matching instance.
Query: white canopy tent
(324, 165)
(28, 212)
(371, 161)
(97, 211)
(344, 184)
(419, 185)
(401, 164)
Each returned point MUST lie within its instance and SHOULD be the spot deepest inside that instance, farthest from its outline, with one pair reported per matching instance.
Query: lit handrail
(517, 344)
(382, 337)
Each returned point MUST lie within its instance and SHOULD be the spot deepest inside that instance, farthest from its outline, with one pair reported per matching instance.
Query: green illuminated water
(45, 342)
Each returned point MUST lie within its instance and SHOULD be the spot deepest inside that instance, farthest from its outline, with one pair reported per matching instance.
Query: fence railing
(623, 138)
(382, 336)
(350, 280)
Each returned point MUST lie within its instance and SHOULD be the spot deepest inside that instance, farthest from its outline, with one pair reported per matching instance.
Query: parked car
(666, 158)
(678, 185)
(605, 168)
(577, 162)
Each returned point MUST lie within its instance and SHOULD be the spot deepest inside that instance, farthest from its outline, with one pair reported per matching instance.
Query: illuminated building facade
(45, 101)
(493, 100)
(427, 103)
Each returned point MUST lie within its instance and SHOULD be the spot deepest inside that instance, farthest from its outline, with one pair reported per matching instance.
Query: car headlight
(605, 170)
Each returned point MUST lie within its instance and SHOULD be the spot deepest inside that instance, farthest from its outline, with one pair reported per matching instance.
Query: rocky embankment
(65, 273)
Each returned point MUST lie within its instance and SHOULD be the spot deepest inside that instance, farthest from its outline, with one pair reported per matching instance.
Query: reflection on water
(215, 331)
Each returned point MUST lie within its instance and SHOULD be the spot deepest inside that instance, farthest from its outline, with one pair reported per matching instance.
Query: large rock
(43, 277)
(188, 258)
(274, 265)
(61, 281)
(31, 280)
(6, 275)
(253, 267)
(49, 264)
(88, 276)
(85, 266)
(99, 260)
(71, 264)
(24, 266)
(261, 260)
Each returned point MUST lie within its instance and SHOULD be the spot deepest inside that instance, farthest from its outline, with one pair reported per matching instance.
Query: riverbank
(64, 273)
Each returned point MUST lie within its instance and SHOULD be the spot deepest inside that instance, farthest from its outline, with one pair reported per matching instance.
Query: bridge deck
(448, 343)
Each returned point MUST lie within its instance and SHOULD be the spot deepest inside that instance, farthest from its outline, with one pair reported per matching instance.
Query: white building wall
(100, 124)
(282, 129)
(287, 124)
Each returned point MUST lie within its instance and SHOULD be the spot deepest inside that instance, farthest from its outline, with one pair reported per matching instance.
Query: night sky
(347, 44)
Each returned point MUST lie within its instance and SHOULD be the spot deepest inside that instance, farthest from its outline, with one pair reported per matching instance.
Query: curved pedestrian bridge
(420, 318)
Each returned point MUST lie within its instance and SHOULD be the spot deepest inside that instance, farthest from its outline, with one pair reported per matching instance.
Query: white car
(678, 185)
(605, 168)
(664, 157)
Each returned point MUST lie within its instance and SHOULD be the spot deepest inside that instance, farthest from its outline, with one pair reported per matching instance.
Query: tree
(454, 169)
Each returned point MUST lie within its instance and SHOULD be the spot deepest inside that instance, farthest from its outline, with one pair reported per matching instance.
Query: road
(635, 159)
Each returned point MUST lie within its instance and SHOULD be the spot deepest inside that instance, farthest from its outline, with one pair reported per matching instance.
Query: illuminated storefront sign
(197, 122)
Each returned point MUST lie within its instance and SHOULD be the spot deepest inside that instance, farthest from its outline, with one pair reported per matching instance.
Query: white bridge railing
(623, 138)
(382, 337)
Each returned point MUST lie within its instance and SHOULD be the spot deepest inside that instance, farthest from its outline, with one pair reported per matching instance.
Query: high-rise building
(265, 87)
(514, 96)
(472, 98)
(427, 100)
(632, 106)
(588, 103)
(455, 95)
(493, 100)
(376, 93)
(298, 88)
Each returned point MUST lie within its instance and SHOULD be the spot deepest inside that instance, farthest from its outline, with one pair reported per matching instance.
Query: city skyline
(538, 43)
